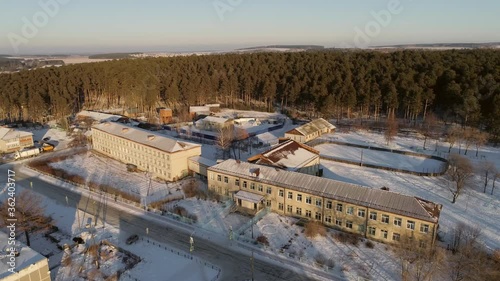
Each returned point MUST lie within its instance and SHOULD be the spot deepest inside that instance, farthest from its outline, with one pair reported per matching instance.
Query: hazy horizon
(89, 27)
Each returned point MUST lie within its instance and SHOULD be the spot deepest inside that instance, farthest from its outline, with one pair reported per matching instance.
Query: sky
(97, 26)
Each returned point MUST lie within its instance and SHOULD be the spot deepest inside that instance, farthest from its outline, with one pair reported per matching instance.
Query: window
(317, 216)
(372, 230)
(361, 213)
(308, 199)
(329, 204)
(348, 224)
(211, 176)
(350, 210)
(269, 190)
(237, 182)
(299, 197)
(268, 203)
(328, 219)
(280, 206)
(373, 216)
(289, 208)
(424, 228)
(244, 184)
(396, 237)
(385, 219)
(290, 195)
(397, 221)
(299, 211)
(252, 186)
(308, 213)
(318, 202)
(226, 179)
(261, 188)
(361, 227)
(384, 233)
(338, 222)
(281, 193)
(219, 177)
(410, 225)
(339, 207)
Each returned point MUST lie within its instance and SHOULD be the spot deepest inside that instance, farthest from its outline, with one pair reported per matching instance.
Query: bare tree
(428, 127)
(418, 262)
(480, 139)
(452, 136)
(29, 213)
(224, 139)
(460, 171)
(391, 129)
(487, 169)
(494, 179)
(468, 135)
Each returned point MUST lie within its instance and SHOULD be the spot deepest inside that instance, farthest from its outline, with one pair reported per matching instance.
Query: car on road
(46, 139)
(132, 239)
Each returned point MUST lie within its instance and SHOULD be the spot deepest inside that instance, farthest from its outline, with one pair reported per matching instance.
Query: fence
(427, 173)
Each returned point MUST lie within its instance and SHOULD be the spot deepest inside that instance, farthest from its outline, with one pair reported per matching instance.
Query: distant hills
(113, 56)
(289, 47)
(443, 46)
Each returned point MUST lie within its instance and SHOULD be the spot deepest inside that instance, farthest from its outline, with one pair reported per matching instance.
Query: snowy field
(352, 262)
(381, 158)
(103, 170)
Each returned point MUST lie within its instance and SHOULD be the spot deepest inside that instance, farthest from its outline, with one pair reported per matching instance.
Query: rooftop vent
(255, 172)
(124, 130)
(151, 137)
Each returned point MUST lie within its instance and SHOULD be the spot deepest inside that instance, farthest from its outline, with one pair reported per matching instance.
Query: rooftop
(8, 134)
(290, 155)
(391, 202)
(316, 125)
(27, 256)
(144, 137)
(215, 119)
(99, 116)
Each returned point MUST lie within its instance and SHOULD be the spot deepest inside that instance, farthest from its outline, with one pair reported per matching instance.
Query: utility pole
(251, 259)
(361, 161)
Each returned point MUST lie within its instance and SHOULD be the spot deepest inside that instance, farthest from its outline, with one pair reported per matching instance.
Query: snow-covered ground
(353, 262)
(212, 216)
(153, 258)
(381, 158)
(472, 207)
(102, 170)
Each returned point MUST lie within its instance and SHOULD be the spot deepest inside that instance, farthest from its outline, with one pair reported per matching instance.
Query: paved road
(235, 265)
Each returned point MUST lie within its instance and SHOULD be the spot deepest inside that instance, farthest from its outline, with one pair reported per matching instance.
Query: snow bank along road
(235, 265)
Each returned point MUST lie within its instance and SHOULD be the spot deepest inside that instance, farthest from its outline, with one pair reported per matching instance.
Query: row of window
(339, 207)
(122, 144)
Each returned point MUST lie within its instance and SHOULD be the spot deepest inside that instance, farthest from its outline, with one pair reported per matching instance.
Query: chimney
(124, 130)
(151, 137)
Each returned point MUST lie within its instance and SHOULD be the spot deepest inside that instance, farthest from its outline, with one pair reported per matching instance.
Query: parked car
(132, 239)
(46, 139)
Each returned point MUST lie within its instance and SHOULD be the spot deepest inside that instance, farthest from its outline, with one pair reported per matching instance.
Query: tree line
(459, 85)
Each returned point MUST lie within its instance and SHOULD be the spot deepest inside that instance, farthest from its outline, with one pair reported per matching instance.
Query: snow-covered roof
(316, 125)
(99, 116)
(382, 200)
(144, 137)
(8, 133)
(215, 119)
(193, 109)
(248, 196)
(203, 161)
(290, 155)
(27, 257)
